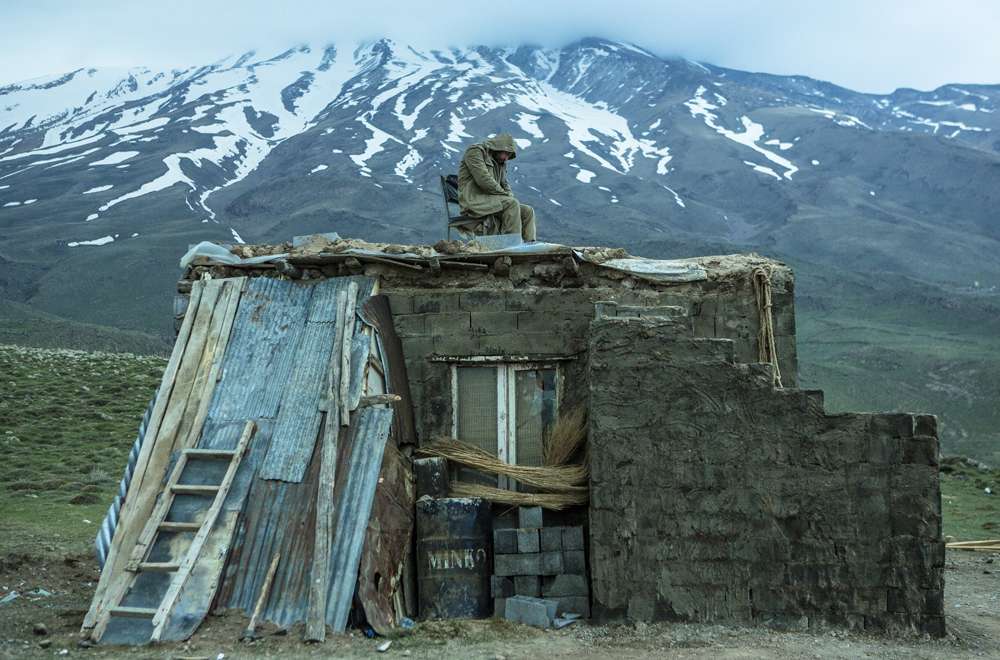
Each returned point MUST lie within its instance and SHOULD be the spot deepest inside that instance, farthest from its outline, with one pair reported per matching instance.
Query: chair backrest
(449, 188)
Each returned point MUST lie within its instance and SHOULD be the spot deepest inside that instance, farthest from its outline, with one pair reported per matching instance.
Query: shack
(718, 491)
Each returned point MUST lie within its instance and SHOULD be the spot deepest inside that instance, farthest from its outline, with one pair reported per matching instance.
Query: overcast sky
(871, 46)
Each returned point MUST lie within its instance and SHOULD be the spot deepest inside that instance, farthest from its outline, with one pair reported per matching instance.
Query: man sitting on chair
(483, 191)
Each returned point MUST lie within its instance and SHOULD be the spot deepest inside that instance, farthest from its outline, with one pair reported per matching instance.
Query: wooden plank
(158, 567)
(133, 612)
(111, 571)
(319, 573)
(188, 489)
(191, 556)
(208, 453)
(345, 354)
(215, 370)
(184, 393)
(203, 377)
(179, 527)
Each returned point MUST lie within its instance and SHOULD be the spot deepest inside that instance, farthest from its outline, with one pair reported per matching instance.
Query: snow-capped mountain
(109, 174)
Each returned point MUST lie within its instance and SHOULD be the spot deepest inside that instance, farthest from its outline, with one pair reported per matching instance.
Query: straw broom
(562, 479)
(568, 435)
(562, 484)
(552, 501)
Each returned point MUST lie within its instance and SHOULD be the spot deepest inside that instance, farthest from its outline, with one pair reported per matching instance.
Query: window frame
(506, 396)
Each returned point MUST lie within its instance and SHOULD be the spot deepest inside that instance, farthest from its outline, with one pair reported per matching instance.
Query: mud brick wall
(438, 320)
(716, 497)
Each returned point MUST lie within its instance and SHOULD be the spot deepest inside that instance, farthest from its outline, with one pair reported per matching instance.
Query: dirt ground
(36, 625)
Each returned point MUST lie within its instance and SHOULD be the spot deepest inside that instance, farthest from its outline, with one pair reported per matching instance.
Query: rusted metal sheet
(278, 517)
(376, 313)
(387, 539)
(354, 505)
(454, 557)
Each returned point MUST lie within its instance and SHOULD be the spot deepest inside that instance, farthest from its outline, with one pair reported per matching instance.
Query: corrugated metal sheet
(298, 420)
(353, 509)
(262, 350)
(103, 541)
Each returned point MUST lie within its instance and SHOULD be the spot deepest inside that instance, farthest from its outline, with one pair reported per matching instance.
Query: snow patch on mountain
(97, 241)
(115, 158)
(752, 133)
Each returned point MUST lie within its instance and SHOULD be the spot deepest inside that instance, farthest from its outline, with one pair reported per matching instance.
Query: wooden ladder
(137, 562)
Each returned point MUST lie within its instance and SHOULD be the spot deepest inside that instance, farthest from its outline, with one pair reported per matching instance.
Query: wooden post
(319, 573)
(345, 369)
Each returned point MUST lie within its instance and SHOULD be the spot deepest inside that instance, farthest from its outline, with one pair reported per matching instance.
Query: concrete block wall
(436, 323)
(716, 497)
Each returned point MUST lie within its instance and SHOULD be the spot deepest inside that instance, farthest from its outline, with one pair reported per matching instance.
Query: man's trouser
(518, 218)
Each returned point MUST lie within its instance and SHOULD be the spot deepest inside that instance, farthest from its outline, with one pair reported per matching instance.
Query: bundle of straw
(568, 435)
(552, 501)
(562, 479)
(561, 483)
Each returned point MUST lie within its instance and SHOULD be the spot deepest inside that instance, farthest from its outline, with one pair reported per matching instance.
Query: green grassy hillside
(888, 343)
(22, 325)
(68, 420)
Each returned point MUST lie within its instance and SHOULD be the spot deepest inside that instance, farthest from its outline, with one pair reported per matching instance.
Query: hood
(502, 142)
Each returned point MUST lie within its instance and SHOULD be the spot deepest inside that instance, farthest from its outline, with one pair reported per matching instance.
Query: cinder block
(572, 538)
(509, 565)
(500, 607)
(493, 323)
(504, 541)
(400, 304)
(501, 587)
(573, 605)
(561, 586)
(529, 516)
(574, 562)
(409, 324)
(482, 301)
(552, 563)
(551, 539)
(925, 425)
(527, 585)
(440, 324)
(531, 611)
(435, 303)
(527, 540)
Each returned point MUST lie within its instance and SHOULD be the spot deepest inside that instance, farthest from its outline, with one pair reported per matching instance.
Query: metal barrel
(454, 557)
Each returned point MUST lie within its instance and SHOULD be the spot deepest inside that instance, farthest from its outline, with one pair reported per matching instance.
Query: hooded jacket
(482, 181)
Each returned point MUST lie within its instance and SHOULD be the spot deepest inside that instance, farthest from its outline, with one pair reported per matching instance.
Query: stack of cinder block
(540, 562)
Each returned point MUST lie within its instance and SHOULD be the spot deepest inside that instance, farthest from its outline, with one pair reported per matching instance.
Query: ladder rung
(133, 612)
(185, 489)
(178, 527)
(158, 567)
(209, 453)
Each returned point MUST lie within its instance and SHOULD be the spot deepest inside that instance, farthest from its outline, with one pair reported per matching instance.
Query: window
(504, 409)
